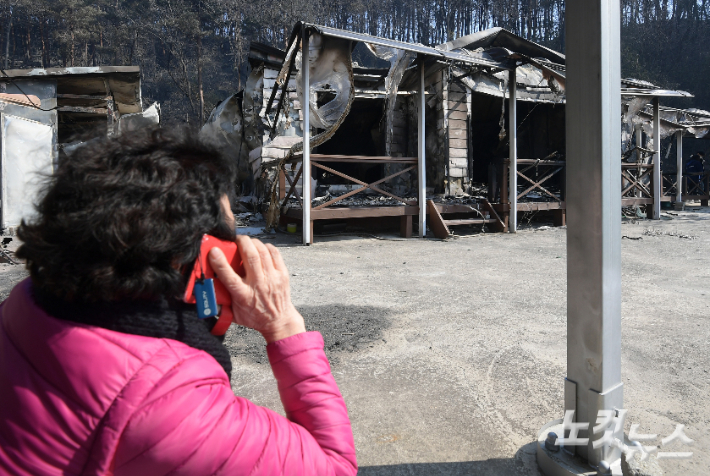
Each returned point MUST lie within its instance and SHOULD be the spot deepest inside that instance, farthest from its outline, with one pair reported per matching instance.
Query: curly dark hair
(123, 217)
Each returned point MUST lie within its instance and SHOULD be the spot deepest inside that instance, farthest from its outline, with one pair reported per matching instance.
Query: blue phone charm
(206, 298)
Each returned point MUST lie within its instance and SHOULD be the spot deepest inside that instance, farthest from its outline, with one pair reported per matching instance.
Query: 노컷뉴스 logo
(611, 423)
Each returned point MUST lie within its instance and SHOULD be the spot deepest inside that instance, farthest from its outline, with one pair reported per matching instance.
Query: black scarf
(163, 318)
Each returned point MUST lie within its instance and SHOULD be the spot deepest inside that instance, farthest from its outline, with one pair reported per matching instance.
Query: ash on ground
(344, 329)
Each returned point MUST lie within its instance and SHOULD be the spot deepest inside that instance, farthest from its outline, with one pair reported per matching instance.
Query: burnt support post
(657, 183)
(306, 166)
(639, 154)
(679, 168)
(593, 384)
(421, 156)
(513, 152)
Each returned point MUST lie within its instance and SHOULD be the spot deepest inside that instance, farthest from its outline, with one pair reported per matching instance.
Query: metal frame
(421, 50)
(421, 165)
(593, 131)
(679, 166)
(513, 151)
(656, 160)
(306, 166)
(305, 171)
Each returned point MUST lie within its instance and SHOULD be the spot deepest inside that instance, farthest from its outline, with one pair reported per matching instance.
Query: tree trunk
(44, 46)
(199, 62)
(199, 78)
(133, 47)
(28, 51)
(188, 84)
(7, 38)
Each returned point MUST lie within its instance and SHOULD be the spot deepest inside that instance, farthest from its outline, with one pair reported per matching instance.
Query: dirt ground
(451, 354)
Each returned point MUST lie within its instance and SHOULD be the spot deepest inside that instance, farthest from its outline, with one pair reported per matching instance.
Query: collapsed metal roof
(637, 88)
(502, 38)
(695, 122)
(473, 58)
(123, 83)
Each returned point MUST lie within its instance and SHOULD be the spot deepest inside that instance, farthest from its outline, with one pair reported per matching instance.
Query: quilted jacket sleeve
(193, 424)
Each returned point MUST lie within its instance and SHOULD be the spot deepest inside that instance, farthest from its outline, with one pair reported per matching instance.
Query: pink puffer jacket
(77, 399)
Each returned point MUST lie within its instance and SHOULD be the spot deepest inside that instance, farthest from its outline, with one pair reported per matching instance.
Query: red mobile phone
(202, 270)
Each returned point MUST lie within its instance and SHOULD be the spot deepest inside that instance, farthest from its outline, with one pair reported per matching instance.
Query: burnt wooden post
(593, 129)
(504, 194)
(679, 168)
(111, 123)
(282, 184)
(639, 154)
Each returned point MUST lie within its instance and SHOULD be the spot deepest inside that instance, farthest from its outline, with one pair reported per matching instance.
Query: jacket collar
(161, 318)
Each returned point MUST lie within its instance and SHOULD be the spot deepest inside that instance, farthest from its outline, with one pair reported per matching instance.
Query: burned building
(41, 110)
(473, 129)
(363, 121)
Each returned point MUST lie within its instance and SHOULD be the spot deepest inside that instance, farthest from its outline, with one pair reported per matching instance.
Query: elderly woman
(104, 370)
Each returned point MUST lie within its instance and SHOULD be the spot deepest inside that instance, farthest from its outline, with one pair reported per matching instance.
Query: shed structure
(42, 109)
(372, 149)
(687, 132)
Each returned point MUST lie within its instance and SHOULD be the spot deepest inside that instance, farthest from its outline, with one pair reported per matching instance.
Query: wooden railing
(696, 186)
(545, 168)
(534, 175)
(636, 184)
(326, 210)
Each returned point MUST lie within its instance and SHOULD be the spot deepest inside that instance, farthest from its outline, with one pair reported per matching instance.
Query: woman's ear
(227, 210)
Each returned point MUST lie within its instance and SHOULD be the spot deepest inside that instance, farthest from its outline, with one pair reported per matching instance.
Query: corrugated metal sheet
(501, 38)
(655, 93)
(469, 58)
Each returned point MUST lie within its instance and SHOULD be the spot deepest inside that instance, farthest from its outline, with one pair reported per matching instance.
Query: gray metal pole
(656, 161)
(421, 159)
(513, 151)
(593, 126)
(306, 175)
(679, 168)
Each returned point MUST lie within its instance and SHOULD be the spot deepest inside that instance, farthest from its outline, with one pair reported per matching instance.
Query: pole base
(559, 463)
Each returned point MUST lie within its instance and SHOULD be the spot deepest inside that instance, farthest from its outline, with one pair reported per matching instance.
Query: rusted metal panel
(44, 89)
(22, 99)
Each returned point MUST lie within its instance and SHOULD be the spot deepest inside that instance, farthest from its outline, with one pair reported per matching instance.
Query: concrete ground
(451, 354)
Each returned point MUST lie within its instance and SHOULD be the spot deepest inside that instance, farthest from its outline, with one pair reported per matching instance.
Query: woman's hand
(262, 299)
